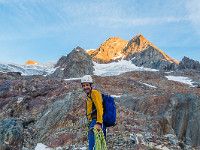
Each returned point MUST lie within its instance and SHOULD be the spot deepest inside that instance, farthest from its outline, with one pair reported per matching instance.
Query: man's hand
(98, 127)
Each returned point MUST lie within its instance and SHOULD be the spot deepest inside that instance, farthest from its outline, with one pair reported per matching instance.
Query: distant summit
(31, 62)
(139, 48)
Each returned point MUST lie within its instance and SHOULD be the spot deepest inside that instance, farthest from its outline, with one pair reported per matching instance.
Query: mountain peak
(115, 49)
(109, 50)
(31, 62)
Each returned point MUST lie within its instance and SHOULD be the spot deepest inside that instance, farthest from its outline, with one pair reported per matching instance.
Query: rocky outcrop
(11, 133)
(152, 111)
(75, 64)
(109, 51)
(186, 117)
(187, 63)
(153, 58)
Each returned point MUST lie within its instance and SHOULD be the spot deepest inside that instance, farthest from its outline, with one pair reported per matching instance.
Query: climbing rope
(100, 142)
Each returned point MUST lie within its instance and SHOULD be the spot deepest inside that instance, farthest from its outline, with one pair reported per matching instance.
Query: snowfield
(181, 79)
(117, 68)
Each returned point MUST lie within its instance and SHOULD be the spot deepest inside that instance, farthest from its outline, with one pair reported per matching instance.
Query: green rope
(100, 142)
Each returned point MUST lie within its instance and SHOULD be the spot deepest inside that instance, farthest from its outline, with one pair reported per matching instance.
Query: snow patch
(87, 50)
(71, 79)
(41, 146)
(181, 79)
(120, 55)
(151, 86)
(117, 68)
(117, 96)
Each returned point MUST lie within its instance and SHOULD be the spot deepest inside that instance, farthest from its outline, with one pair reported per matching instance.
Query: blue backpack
(109, 116)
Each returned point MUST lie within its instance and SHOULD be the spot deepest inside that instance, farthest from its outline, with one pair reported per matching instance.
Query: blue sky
(44, 30)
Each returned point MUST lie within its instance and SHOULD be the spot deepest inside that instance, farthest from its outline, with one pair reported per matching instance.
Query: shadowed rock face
(187, 63)
(76, 64)
(153, 58)
(150, 110)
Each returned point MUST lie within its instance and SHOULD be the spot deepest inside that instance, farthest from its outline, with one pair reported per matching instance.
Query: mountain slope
(138, 44)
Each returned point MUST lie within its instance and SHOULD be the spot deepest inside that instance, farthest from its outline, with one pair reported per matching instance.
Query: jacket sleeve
(96, 97)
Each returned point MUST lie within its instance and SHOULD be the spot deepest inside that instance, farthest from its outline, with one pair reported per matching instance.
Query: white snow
(120, 55)
(148, 85)
(181, 79)
(69, 79)
(83, 148)
(117, 96)
(41, 146)
(39, 69)
(87, 50)
(117, 68)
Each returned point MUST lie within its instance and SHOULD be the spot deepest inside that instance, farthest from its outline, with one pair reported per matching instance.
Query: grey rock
(76, 64)
(187, 63)
(11, 133)
(153, 58)
(186, 118)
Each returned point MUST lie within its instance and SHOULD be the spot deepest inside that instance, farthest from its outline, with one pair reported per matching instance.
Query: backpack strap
(92, 104)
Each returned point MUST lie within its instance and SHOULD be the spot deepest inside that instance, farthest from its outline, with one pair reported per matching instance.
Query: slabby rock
(186, 118)
(75, 64)
(11, 133)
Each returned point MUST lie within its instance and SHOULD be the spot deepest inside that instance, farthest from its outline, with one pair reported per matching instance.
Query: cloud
(193, 9)
(40, 18)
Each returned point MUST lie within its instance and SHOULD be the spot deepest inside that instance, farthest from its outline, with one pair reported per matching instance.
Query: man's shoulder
(95, 92)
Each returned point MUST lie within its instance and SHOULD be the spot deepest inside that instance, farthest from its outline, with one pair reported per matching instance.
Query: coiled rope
(100, 142)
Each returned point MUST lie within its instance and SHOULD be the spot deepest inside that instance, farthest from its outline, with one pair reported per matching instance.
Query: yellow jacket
(95, 103)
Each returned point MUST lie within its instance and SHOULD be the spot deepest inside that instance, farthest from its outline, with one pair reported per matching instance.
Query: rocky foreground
(152, 111)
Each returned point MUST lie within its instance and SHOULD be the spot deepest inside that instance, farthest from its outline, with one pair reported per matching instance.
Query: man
(94, 109)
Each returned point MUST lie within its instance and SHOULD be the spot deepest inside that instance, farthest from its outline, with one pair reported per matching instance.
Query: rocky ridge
(187, 63)
(115, 49)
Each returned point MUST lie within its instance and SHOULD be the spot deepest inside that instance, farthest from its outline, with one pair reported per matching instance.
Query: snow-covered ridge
(40, 69)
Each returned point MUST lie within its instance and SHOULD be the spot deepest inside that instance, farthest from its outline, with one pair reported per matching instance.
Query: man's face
(86, 87)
